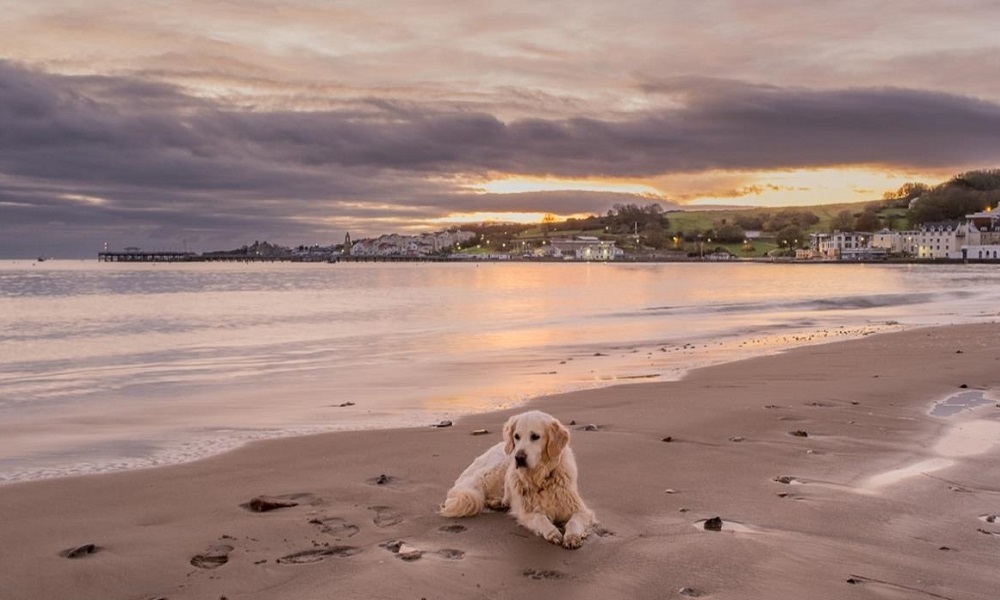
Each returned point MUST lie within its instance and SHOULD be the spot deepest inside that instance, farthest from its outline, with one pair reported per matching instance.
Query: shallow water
(109, 366)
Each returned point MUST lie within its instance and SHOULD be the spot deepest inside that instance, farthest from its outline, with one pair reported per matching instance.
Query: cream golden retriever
(533, 472)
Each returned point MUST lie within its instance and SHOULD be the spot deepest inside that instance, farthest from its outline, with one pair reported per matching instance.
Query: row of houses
(977, 237)
(394, 244)
(429, 244)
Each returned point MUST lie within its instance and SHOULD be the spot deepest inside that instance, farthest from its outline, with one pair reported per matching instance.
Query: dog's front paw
(572, 541)
(553, 536)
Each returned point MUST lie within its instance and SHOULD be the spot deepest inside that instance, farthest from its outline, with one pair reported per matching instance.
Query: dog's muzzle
(520, 460)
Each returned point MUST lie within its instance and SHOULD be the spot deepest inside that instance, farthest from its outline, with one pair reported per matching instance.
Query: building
(847, 245)
(939, 240)
(585, 248)
(982, 240)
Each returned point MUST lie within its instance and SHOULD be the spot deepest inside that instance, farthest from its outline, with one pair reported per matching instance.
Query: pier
(144, 257)
(141, 256)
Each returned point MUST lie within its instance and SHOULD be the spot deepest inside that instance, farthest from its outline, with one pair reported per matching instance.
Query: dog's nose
(521, 459)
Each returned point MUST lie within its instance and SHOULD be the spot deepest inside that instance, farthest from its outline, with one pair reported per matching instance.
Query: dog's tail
(463, 502)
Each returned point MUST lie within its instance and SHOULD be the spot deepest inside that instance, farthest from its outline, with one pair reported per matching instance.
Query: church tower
(347, 245)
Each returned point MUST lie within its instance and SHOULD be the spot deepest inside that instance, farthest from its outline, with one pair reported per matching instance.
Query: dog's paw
(572, 541)
(498, 506)
(554, 536)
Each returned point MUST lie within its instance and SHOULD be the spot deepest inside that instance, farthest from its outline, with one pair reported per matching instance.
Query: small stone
(392, 545)
(343, 404)
(855, 402)
(689, 592)
(713, 524)
(810, 451)
(991, 519)
(573, 422)
(673, 491)
(683, 509)
(78, 551)
(443, 424)
(945, 548)
(409, 553)
(855, 581)
(382, 479)
(737, 438)
(480, 431)
(670, 438)
(785, 479)
(964, 386)
(590, 427)
(799, 433)
(959, 352)
(782, 494)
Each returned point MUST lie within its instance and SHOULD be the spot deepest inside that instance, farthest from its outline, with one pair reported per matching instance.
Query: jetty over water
(143, 256)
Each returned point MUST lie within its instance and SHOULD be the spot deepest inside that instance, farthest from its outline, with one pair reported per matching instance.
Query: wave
(854, 302)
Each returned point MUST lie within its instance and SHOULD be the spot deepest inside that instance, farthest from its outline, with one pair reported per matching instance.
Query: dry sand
(885, 501)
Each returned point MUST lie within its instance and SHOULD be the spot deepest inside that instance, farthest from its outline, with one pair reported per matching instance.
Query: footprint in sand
(788, 480)
(266, 503)
(318, 554)
(386, 516)
(540, 574)
(600, 531)
(79, 551)
(451, 554)
(214, 557)
(452, 528)
(335, 526)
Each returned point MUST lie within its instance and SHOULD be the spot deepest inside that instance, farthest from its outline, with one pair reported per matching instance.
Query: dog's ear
(557, 437)
(508, 435)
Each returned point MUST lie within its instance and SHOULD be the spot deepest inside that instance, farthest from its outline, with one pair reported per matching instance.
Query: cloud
(164, 160)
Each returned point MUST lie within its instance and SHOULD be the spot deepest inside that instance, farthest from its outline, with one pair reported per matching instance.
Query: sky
(209, 124)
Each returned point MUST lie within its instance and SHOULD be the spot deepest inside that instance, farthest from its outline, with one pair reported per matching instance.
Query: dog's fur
(533, 472)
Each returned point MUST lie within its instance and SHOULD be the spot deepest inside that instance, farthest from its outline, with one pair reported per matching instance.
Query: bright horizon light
(521, 185)
(501, 217)
(795, 187)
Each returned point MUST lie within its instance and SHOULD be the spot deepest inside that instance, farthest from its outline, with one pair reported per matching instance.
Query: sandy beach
(830, 475)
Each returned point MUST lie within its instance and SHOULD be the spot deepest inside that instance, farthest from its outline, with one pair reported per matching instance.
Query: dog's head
(534, 438)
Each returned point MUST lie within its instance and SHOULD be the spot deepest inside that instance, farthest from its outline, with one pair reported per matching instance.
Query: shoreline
(675, 362)
(863, 403)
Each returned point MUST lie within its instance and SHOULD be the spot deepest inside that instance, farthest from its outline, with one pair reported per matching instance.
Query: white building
(939, 240)
(982, 241)
(585, 248)
(847, 245)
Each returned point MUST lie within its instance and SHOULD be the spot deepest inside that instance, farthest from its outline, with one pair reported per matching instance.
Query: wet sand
(831, 478)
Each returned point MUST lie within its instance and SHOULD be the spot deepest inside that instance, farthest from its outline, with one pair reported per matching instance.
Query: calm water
(107, 366)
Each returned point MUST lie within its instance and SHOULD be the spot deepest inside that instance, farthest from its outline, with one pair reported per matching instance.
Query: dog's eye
(517, 436)
(535, 437)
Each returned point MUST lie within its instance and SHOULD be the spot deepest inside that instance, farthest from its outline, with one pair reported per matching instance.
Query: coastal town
(973, 238)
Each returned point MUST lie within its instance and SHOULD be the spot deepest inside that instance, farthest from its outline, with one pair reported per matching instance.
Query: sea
(111, 366)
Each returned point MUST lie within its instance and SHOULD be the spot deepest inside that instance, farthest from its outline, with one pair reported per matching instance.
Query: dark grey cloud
(92, 158)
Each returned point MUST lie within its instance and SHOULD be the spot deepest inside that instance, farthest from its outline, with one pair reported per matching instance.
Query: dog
(532, 472)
